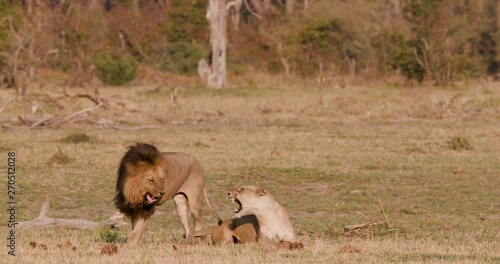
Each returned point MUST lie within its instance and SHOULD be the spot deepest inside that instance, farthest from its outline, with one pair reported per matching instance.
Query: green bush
(8, 9)
(115, 70)
(77, 137)
(459, 143)
(109, 236)
(182, 57)
(403, 58)
(60, 157)
(321, 42)
(187, 21)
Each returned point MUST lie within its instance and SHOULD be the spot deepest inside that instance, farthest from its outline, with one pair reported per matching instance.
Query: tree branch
(251, 11)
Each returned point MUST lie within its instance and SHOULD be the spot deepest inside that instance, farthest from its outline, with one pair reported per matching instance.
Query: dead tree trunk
(93, 4)
(289, 6)
(216, 16)
(496, 27)
(267, 6)
(135, 7)
(233, 9)
(352, 68)
(29, 6)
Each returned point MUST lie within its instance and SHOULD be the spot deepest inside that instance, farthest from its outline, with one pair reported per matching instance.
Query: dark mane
(141, 152)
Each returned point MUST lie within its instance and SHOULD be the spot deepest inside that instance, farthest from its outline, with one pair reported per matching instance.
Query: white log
(44, 221)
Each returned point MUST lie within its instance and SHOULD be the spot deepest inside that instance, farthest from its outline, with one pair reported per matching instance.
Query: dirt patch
(311, 187)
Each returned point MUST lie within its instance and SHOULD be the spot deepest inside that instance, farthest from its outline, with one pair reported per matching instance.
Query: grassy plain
(424, 161)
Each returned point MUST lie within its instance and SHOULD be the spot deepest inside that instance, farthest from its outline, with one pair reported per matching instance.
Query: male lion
(148, 177)
(259, 218)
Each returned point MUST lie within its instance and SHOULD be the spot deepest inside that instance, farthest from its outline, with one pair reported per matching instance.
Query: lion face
(248, 198)
(153, 185)
(145, 185)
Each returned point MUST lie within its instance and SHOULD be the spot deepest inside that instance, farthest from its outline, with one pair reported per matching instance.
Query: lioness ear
(260, 191)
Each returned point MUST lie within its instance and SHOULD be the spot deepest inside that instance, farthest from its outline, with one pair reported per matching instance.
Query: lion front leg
(139, 225)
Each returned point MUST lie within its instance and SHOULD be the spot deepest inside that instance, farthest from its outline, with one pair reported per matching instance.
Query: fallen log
(44, 221)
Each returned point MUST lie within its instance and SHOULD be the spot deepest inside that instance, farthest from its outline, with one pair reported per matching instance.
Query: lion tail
(203, 233)
(205, 195)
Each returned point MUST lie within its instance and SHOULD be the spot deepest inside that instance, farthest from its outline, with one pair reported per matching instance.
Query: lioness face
(153, 186)
(248, 199)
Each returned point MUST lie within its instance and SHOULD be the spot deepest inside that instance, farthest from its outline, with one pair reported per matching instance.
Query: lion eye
(151, 181)
(241, 189)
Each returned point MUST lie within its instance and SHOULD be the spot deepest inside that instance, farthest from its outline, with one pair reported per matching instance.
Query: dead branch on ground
(44, 221)
(3, 108)
(96, 98)
(376, 226)
(53, 120)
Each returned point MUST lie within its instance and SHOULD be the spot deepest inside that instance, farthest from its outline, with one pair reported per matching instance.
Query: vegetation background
(374, 122)
(433, 41)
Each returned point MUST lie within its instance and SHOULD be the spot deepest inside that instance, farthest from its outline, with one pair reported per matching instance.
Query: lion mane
(128, 186)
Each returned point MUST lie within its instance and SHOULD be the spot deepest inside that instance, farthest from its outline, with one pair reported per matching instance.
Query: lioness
(259, 218)
(147, 178)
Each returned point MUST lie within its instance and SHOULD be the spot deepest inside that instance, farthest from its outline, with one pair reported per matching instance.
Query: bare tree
(496, 26)
(258, 6)
(233, 9)
(289, 6)
(93, 4)
(135, 7)
(267, 5)
(216, 16)
(21, 58)
(29, 6)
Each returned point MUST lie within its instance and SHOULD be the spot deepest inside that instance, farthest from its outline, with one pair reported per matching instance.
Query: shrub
(182, 57)
(76, 138)
(11, 10)
(459, 143)
(115, 70)
(403, 58)
(322, 42)
(108, 235)
(60, 157)
(187, 22)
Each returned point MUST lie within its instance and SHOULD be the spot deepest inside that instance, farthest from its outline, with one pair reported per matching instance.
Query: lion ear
(260, 191)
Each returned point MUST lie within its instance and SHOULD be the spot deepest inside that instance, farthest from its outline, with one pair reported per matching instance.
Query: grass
(343, 156)
(460, 143)
(77, 137)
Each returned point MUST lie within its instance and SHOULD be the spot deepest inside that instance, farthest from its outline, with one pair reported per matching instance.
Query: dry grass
(335, 158)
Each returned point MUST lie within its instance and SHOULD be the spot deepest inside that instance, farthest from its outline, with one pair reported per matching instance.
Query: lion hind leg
(196, 212)
(181, 206)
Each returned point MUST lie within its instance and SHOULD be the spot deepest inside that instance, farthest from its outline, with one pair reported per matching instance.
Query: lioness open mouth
(237, 210)
(149, 199)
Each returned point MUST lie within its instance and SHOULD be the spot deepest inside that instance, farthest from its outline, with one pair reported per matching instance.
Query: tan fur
(147, 178)
(238, 230)
(260, 219)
